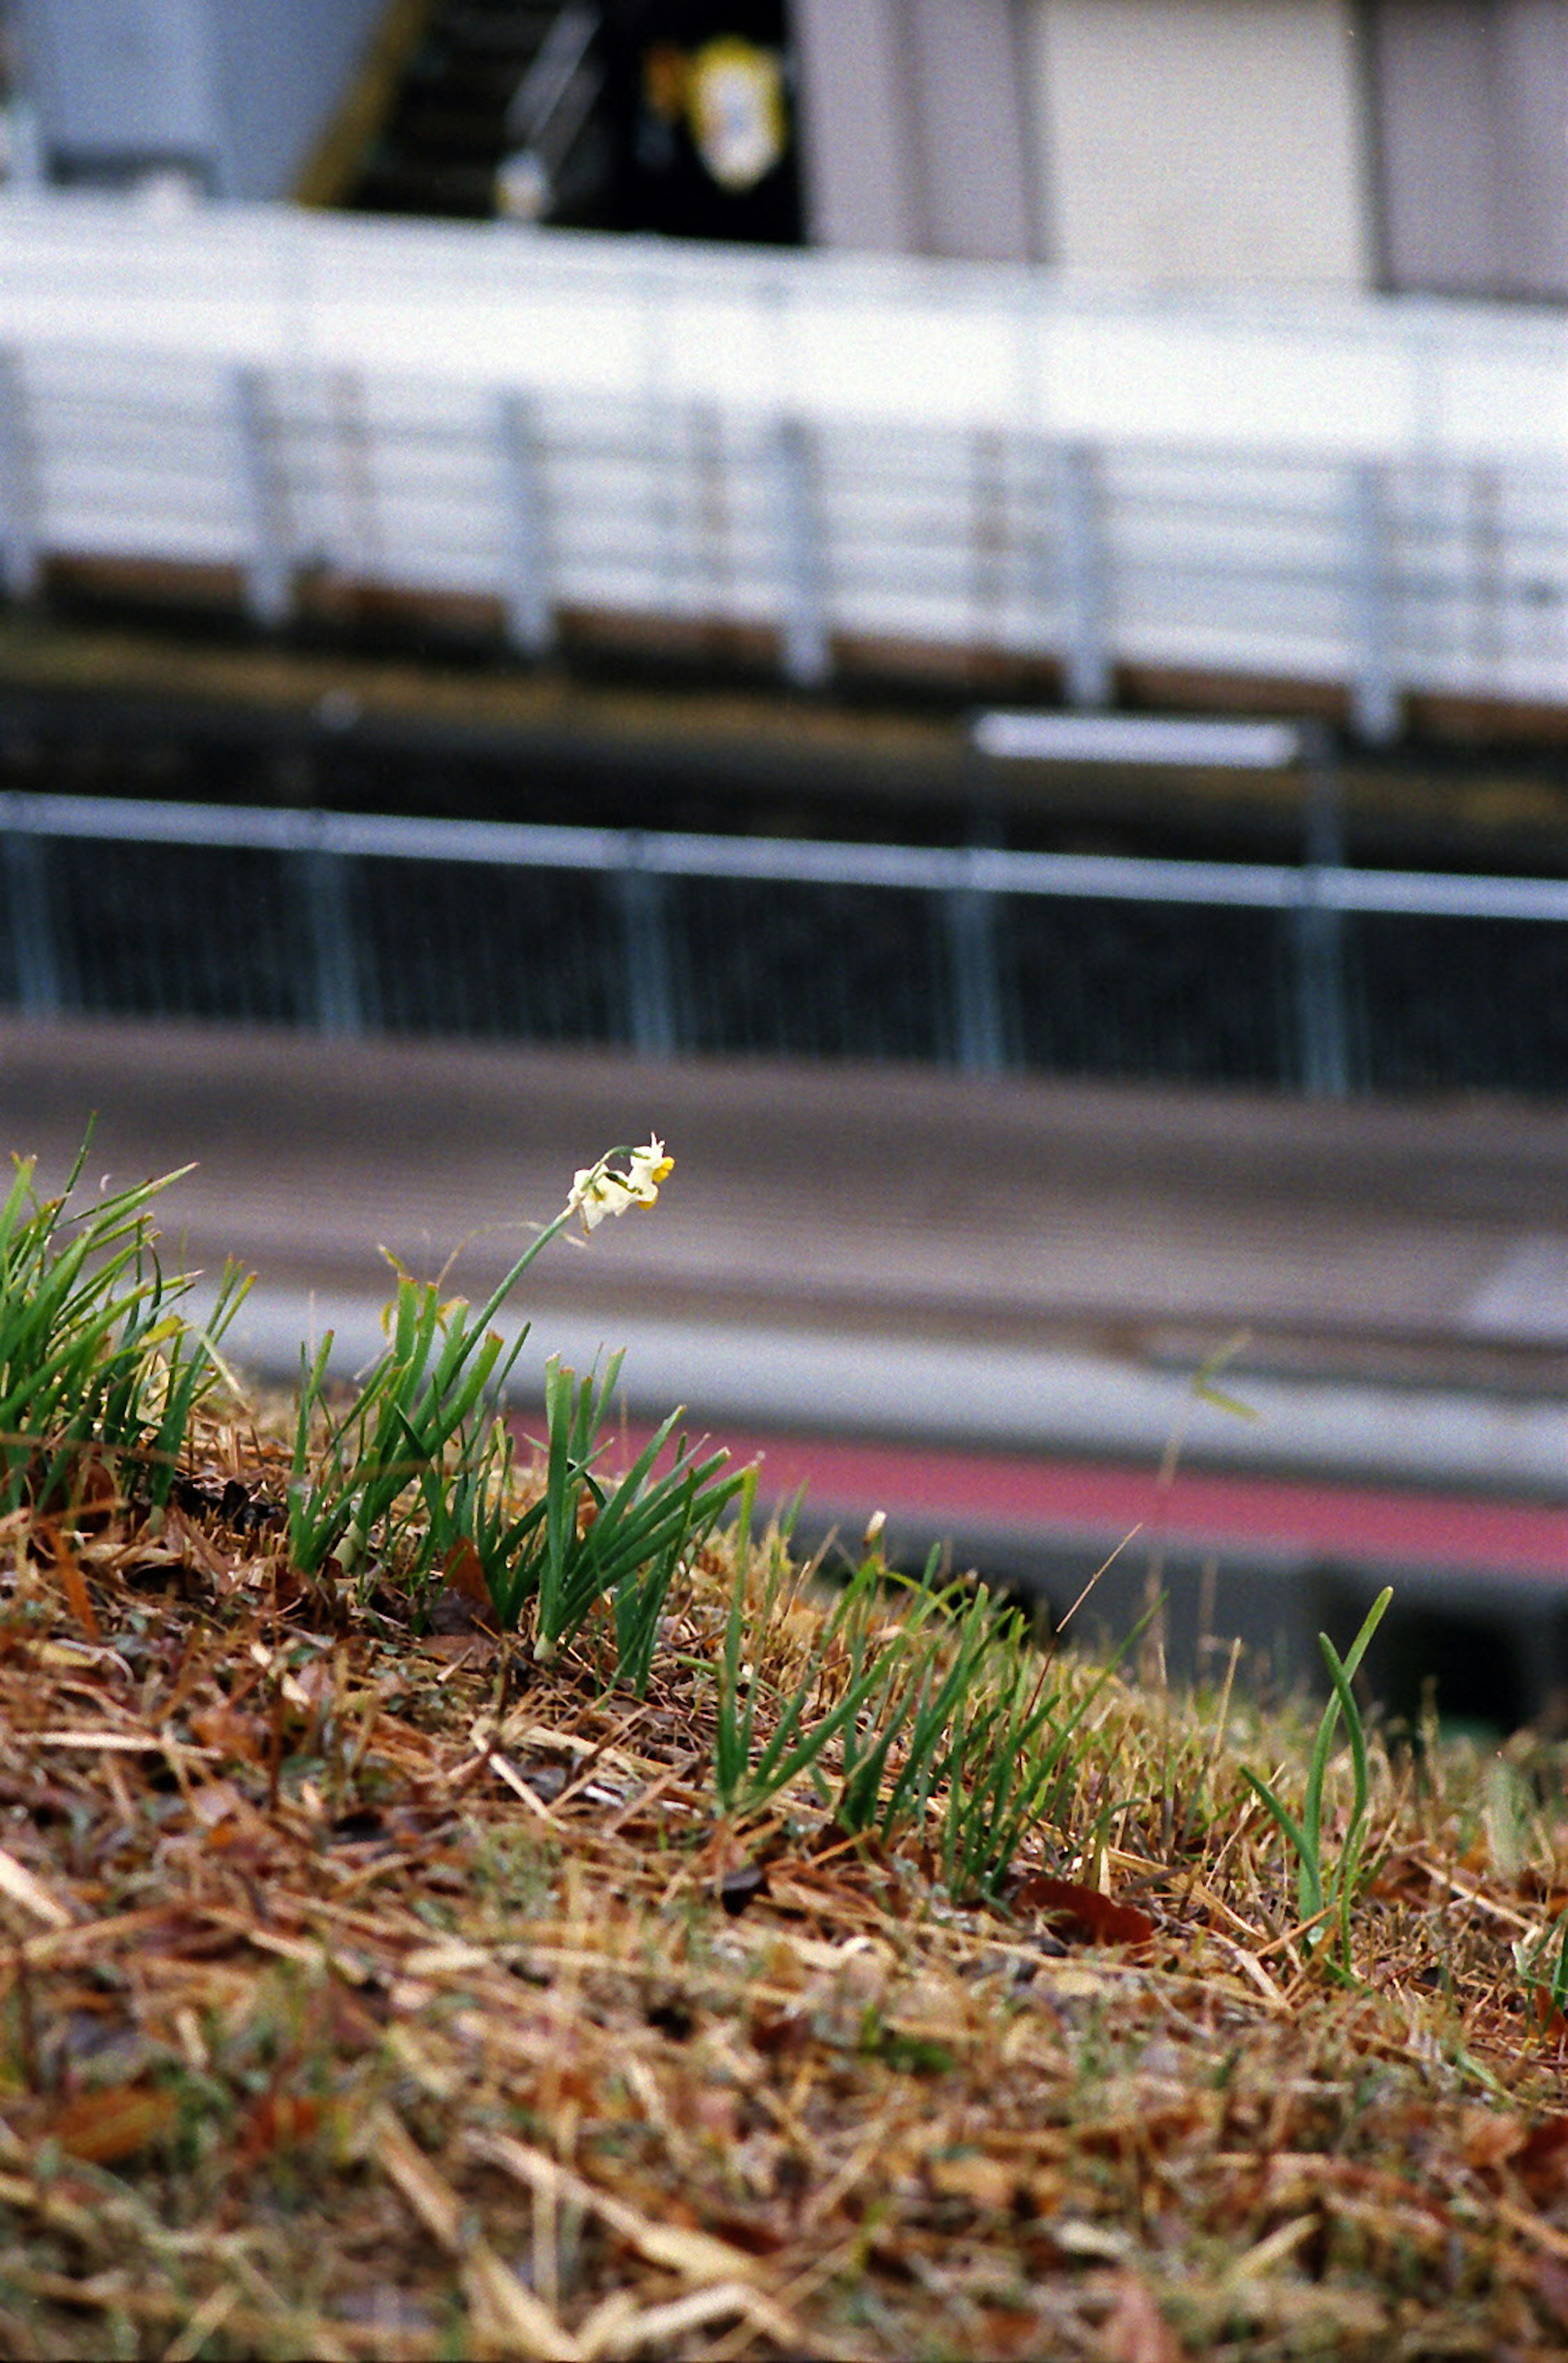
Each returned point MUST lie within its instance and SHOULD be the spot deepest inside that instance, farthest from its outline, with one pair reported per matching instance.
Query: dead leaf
(102, 2127)
(462, 1605)
(986, 2182)
(277, 2121)
(91, 1495)
(1489, 2139)
(1548, 2018)
(1082, 1912)
(230, 1733)
(472, 1648)
(464, 1574)
(1541, 2159)
(73, 1584)
(230, 1823)
(781, 2034)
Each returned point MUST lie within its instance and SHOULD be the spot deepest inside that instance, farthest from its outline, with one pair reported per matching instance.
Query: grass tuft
(463, 1897)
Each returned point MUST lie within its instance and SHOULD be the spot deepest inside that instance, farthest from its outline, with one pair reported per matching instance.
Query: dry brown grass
(368, 1995)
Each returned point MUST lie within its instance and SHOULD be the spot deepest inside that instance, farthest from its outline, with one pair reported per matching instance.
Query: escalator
(676, 116)
(500, 109)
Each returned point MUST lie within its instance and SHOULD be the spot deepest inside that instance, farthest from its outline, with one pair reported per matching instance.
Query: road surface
(986, 1301)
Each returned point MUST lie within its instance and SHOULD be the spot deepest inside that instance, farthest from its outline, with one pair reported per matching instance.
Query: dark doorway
(702, 94)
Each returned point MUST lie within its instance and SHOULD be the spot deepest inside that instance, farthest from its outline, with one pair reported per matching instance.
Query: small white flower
(649, 1167)
(597, 1192)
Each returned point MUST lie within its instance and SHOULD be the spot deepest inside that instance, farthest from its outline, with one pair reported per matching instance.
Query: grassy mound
(754, 1967)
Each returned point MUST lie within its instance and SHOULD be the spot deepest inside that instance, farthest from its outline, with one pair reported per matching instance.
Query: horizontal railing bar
(1137, 739)
(983, 869)
(1416, 894)
(266, 829)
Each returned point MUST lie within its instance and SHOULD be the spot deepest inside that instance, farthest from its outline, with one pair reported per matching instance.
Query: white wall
(1187, 141)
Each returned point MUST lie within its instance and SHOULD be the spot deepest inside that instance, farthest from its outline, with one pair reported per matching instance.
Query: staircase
(498, 110)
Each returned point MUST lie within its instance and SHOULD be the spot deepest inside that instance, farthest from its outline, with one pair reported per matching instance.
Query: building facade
(1407, 145)
(1317, 145)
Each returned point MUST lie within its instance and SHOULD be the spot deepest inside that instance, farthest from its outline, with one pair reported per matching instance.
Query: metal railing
(1314, 977)
(832, 456)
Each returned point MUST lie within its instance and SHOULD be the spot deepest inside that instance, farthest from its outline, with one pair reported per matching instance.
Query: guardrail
(1315, 977)
(830, 457)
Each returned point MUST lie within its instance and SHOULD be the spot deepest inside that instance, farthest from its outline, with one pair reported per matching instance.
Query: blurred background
(960, 607)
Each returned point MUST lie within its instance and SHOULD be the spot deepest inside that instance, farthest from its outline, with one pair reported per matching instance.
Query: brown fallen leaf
(277, 2121)
(74, 1586)
(230, 1732)
(1082, 1912)
(104, 2127)
(1541, 2158)
(1488, 2138)
(1548, 2018)
(462, 1605)
(986, 2182)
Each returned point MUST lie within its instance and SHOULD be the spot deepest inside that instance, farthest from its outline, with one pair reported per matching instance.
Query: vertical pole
(650, 997)
(979, 1043)
(806, 647)
(1319, 932)
(1085, 576)
(269, 589)
(1375, 695)
(18, 488)
(34, 949)
(338, 1007)
(531, 614)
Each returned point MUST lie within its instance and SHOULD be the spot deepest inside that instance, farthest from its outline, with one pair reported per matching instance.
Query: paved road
(977, 1306)
(900, 1254)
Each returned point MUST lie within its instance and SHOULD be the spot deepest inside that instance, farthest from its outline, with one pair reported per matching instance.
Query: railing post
(339, 1006)
(650, 997)
(1085, 576)
(1375, 695)
(979, 1038)
(34, 949)
(530, 612)
(1319, 933)
(269, 585)
(18, 490)
(807, 652)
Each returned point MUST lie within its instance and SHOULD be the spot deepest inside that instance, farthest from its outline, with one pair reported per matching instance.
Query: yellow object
(735, 105)
(597, 1192)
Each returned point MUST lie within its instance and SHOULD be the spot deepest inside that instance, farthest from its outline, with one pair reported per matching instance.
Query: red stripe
(975, 1491)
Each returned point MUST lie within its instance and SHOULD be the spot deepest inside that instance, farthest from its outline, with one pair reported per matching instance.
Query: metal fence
(1315, 978)
(829, 457)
